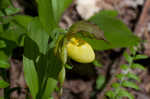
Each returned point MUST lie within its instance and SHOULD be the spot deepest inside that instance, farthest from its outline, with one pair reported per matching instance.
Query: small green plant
(127, 79)
(45, 43)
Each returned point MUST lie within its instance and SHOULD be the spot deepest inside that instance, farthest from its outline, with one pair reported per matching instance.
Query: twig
(143, 18)
(118, 62)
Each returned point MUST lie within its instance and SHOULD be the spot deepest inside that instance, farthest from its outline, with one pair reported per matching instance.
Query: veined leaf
(133, 76)
(140, 57)
(59, 6)
(124, 93)
(115, 31)
(90, 29)
(130, 85)
(138, 66)
(50, 12)
(37, 34)
(22, 20)
(50, 86)
(31, 76)
(12, 31)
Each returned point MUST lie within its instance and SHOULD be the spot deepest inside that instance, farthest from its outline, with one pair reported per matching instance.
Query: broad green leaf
(46, 15)
(2, 44)
(38, 35)
(50, 12)
(123, 93)
(3, 84)
(98, 45)
(138, 66)
(22, 20)
(133, 76)
(1, 14)
(59, 6)
(31, 76)
(54, 65)
(31, 49)
(109, 13)
(49, 65)
(115, 31)
(4, 63)
(130, 85)
(140, 57)
(31, 53)
(100, 82)
(11, 10)
(88, 30)
(12, 31)
(10, 45)
(4, 4)
(50, 86)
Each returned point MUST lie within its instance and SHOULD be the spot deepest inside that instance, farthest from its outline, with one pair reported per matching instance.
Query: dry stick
(143, 18)
(118, 62)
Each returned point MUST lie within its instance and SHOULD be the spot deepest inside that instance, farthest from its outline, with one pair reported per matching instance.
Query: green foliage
(133, 76)
(100, 82)
(126, 79)
(4, 63)
(138, 66)
(140, 57)
(4, 4)
(114, 30)
(38, 35)
(3, 84)
(11, 10)
(50, 12)
(32, 81)
(130, 85)
(2, 44)
(124, 93)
